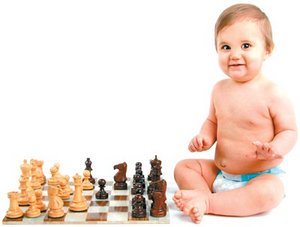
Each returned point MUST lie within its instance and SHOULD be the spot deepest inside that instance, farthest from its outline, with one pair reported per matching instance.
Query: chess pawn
(138, 199)
(14, 211)
(35, 183)
(32, 211)
(137, 189)
(55, 204)
(138, 207)
(40, 174)
(39, 200)
(79, 202)
(25, 168)
(101, 194)
(86, 184)
(23, 198)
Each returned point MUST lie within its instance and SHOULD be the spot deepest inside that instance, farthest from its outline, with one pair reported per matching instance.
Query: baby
(251, 120)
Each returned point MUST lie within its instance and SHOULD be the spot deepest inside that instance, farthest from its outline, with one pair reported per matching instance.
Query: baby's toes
(195, 215)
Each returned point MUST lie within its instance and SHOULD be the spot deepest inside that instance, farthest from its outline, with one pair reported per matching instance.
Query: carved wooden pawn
(14, 211)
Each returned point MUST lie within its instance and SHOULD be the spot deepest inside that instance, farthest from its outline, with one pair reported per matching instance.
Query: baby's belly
(239, 158)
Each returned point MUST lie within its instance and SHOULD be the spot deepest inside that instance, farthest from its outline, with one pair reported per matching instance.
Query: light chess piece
(32, 211)
(63, 191)
(55, 174)
(35, 183)
(79, 202)
(68, 187)
(86, 184)
(14, 211)
(40, 174)
(55, 203)
(39, 200)
(25, 168)
(23, 198)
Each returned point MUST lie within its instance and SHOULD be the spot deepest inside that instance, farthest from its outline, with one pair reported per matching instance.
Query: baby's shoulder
(221, 83)
(276, 96)
(273, 90)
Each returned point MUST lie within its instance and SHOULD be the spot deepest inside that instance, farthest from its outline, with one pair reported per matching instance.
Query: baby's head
(240, 12)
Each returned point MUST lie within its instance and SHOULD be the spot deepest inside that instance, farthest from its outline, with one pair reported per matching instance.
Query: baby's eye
(225, 47)
(246, 45)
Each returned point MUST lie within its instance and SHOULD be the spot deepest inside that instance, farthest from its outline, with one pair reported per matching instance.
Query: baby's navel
(223, 163)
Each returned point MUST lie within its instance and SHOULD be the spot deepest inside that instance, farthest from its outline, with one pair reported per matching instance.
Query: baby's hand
(265, 151)
(198, 144)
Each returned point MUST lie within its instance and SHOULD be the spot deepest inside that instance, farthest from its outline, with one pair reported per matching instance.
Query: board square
(97, 217)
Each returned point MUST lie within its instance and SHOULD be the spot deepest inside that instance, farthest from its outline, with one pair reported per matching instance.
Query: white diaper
(225, 181)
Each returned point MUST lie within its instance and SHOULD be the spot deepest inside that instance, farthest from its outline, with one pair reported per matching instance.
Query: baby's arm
(206, 138)
(285, 130)
(208, 133)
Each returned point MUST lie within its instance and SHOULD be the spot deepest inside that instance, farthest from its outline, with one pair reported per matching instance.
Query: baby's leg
(261, 194)
(196, 177)
(195, 174)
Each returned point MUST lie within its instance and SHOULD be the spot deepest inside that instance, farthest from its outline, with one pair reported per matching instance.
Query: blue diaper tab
(249, 176)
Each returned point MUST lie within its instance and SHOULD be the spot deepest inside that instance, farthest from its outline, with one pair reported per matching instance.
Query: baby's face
(242, 50)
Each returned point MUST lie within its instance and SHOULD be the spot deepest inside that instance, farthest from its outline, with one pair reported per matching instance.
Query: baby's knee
(274, 192)
(270, 193)
(180, 168)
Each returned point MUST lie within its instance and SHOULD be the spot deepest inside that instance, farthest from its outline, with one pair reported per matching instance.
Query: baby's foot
(192, 202)
(183, 196)
(177, 198)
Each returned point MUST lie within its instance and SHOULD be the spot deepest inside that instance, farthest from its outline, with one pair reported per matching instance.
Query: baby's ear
(269, 50)
(268, 53)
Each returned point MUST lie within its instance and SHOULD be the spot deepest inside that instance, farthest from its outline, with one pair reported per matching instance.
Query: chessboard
(115, 210)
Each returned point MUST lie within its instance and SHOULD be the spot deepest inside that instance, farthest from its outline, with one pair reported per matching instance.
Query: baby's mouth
(235, 65)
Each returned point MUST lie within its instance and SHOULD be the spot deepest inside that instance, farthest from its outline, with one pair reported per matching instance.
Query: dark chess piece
(155, 171)
(138, 168)
(138, 199)
(101, 194)
(150, 190)
(155, 186)
(137, 189)
(137, 178)
(88, 166)
(138, 207)
(120, 177)
(158, 208)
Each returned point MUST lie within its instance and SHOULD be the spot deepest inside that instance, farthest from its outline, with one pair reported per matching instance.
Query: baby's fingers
(197, 142)
(258, 144)
(192, 148)
(266, 147)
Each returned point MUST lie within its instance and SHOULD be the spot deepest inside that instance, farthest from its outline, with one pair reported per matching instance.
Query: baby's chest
(253, 112)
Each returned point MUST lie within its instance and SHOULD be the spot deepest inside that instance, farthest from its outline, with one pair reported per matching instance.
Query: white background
(122, 81)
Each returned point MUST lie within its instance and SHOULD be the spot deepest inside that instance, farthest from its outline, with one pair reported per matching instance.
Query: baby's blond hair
(246, 12)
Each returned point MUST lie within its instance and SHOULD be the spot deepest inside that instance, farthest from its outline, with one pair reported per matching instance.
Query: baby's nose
(235, 54)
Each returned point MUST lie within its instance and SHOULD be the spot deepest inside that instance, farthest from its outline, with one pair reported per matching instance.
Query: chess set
(136, 200)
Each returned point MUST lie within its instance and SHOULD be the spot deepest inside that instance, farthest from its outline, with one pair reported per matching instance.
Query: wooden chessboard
(116, 209)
